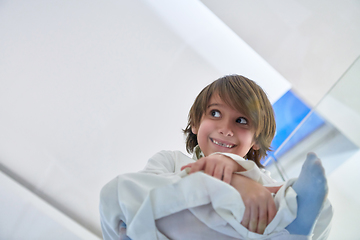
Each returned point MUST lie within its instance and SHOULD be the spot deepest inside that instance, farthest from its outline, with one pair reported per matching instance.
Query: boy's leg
(184, 225)
(311, 189)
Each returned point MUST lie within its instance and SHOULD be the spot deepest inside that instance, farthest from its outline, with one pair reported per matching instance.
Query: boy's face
(224, 129)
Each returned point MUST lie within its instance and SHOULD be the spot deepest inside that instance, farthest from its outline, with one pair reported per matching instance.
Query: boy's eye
(215, 113)
(241, 120)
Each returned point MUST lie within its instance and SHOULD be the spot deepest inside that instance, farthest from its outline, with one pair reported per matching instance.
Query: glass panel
(335, 141)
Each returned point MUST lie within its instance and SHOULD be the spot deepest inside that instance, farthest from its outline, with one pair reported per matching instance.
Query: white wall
(92, 89)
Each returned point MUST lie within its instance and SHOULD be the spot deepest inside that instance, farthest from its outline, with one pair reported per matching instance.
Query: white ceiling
(310, 43)
(92, 89)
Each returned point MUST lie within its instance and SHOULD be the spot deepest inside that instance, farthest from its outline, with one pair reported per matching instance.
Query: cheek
(205, 127)
(247, 137)
(204, 131)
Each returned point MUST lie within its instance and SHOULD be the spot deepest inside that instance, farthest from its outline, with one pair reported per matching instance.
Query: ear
(256, 146)
(194, 130)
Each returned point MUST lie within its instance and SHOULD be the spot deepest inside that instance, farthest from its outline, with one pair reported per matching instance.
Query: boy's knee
(108, 192)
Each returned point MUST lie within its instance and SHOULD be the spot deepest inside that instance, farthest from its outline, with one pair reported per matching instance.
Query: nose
(225, 129)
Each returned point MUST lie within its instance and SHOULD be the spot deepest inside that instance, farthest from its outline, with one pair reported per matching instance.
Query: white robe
(161, 189)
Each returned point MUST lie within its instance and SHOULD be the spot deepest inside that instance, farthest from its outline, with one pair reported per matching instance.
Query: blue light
(290, 111)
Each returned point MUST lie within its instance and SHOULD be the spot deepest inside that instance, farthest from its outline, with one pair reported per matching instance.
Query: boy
(218, 194)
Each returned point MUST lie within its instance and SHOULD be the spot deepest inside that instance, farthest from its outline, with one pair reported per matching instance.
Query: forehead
(216, 100)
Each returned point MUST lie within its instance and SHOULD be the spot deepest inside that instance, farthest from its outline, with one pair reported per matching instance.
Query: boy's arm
(259, 204)
(223, 165)
(219, 166)
(260, 207)
(161, 163)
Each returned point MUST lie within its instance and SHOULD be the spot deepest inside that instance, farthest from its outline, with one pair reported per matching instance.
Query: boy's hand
(274, 189)
(260, 207)
(217, 165)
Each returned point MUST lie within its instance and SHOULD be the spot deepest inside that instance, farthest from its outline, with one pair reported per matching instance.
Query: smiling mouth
(222, 144)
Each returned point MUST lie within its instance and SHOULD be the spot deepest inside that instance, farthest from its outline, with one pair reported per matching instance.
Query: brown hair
(243, 95)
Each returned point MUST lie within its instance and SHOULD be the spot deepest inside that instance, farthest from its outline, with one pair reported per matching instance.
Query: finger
(273, 189)
(246, 218)
(218, 171)
(263, 220)
(186, 166)
(227, 175)
(271, 210)
(209, 168)
(254, 218)
(198, 166)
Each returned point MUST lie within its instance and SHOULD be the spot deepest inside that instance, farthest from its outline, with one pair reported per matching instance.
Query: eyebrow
(214, 104)
(219, 104)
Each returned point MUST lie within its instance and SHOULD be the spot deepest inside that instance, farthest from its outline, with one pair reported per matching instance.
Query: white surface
(310, 43)
(26, 216)
(344, 98)
(345, 199)
(213, 40)
(90, 90)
